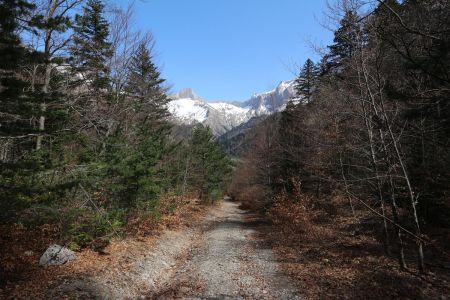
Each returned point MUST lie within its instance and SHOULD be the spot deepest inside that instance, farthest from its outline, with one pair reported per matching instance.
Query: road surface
(220, 257)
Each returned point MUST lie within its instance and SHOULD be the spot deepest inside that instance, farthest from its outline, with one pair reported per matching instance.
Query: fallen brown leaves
(179, 290)
(22, 278)
(334, 255)
(20, 252)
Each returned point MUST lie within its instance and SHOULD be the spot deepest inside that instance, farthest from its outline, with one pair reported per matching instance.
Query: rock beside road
(56, 255)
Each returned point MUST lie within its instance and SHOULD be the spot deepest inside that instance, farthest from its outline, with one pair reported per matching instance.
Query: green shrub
(82, 226)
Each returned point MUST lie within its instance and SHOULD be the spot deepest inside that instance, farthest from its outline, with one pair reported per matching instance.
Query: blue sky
(231, 49)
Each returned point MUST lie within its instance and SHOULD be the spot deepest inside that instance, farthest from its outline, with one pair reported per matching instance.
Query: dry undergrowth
(22, 277)
(334, 255)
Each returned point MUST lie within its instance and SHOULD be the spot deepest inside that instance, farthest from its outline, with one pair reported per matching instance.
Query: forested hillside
(368, 144)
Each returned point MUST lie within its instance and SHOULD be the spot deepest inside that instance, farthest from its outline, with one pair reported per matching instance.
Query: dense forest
(85, 138)
(370, 126)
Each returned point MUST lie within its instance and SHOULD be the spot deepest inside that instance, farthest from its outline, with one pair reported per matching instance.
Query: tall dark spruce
(307, 80)
(345, 43)
(210, 166)
(91, 52)
(136, 151)
(32, 104)
(91, 48)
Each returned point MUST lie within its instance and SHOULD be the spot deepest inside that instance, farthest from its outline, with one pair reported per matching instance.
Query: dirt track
(219, 258)
(228, 261)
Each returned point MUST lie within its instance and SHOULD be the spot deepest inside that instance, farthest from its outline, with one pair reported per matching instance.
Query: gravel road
(219, 257)
(228, 261)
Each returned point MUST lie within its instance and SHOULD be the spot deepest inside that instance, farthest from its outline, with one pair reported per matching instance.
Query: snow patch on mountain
(235, 115)
(272, 101)
(188, 108)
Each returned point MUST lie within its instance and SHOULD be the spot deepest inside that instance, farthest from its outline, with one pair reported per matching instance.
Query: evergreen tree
(144, 86)
(210, 164)
(135, 154)
(13, 101)
(12, 53)
(91, 49)
(28, 102)
(345, 42)
(52, 27)
(90, 52)
(306, 82)
(133, 171)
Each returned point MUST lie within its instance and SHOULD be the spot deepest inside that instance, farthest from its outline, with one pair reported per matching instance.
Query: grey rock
(272, 101)
(187, 93)
(56, 255)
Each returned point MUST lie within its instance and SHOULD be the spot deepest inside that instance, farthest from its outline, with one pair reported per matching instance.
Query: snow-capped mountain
(188, 108)
(233, 114)
(272, 101)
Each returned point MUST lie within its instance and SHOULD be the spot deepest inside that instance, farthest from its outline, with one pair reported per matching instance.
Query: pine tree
(40, 104)
(210, 164)
(136, 152)
(14, 102)
(345, 43)
(133, 171)
(90, 53)
(91, 49)
(306, 82)
(31, 106)
(12, 53)
(144, 86)
(51, 26)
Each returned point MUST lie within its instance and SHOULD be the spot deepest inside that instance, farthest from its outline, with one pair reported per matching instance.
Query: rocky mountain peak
(187, 93)
(188, 108)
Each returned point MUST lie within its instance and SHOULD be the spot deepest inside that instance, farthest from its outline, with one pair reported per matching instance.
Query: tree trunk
(401, 252)
(43, 106)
